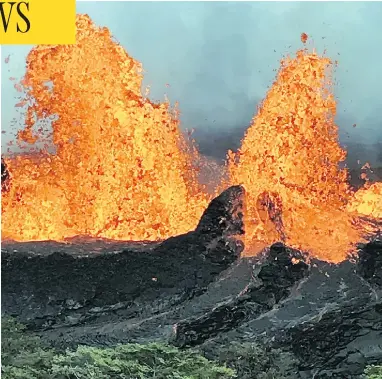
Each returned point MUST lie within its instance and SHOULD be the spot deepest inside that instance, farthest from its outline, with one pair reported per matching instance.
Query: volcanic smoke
(123, 170)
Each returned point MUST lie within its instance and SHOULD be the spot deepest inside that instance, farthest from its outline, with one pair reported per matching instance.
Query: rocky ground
(195, 290)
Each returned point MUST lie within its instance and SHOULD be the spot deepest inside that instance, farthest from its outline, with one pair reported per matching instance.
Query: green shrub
(24, 356)
(374, 372)
(136, 361)
(252, 361)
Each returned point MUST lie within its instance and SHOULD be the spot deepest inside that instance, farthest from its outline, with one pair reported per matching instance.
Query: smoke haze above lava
(219, 59)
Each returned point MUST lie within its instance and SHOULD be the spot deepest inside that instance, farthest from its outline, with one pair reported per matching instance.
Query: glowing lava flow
(121, 168)
(290, 155)
(368, 201)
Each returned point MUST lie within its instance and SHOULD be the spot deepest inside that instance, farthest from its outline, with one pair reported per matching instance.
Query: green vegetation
(251, 361)
(374, 372)
(24, 356)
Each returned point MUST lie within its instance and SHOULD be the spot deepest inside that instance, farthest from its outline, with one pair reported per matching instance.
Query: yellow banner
(36, 22)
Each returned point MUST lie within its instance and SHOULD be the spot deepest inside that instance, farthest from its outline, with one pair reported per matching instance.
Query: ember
(123, 170)
(304, 37)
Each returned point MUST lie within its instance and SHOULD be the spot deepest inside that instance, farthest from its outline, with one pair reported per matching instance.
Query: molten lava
(291, 151)
(304, 37)
(368, 201)
(121, 168)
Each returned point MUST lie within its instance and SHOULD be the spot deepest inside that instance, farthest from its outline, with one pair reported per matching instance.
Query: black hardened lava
(340, 341)
(282, 269)
(44, 288)
(192, 290)
(370, 262)
(5, 177)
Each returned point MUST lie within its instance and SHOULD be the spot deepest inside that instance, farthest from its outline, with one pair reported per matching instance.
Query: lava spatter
(121, 169)
(291, 149)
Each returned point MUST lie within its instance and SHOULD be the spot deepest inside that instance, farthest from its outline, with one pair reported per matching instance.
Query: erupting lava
(291, 155)
(368, 201)
(122, 169)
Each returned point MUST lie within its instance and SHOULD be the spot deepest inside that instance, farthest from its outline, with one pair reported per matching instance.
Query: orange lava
(368, 201)
(291, 152)
(121, 170)
(304, 37)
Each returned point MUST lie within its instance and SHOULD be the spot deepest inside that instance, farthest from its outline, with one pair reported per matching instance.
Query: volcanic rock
(331, 321)
(4, 176)
(50, 284)
(282, 269)
(339, 343)
(370, 262)
(345, 337)
(191, 290)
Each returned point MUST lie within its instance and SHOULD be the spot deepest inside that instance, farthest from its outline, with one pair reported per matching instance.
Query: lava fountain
(121, 169)
(289, 164)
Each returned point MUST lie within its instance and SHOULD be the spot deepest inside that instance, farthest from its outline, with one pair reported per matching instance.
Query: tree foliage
(252, 361)
(24, 356)
(374, 372)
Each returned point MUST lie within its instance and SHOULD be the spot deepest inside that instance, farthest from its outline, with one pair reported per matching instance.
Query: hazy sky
(220, 58)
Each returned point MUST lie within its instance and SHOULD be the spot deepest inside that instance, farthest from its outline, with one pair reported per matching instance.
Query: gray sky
(219, 58)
